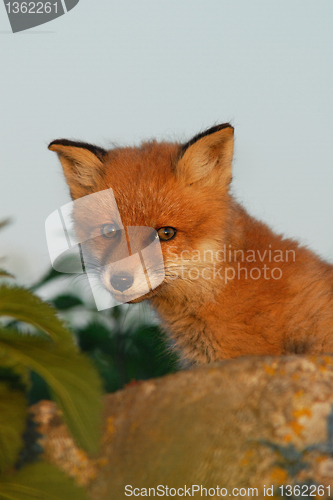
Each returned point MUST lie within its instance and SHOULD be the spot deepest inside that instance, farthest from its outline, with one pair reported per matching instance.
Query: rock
(258, 423)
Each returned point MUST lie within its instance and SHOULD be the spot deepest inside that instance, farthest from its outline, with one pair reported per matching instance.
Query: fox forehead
(144, 185)
(151, 160)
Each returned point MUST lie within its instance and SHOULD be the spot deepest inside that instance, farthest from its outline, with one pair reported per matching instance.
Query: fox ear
(208, 157)
(82, 164)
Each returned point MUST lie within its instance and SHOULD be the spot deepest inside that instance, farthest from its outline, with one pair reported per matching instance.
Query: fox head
(180, 191)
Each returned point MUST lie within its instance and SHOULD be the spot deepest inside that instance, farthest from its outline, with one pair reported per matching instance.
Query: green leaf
(66, 301)
(40, 481)
(24, 306)
(15, 376)
(71, 377)
(13, 407)
(92, 336)
(111, 376)
(38, 389)
(5, 274)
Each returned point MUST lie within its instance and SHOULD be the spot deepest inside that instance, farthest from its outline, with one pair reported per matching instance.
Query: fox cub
(231, 286)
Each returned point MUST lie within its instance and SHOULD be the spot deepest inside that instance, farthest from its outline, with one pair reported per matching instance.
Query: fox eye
(166, 233)
(109, 230)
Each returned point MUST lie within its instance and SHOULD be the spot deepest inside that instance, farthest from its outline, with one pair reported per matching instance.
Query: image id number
(32, 8)
(305, 491)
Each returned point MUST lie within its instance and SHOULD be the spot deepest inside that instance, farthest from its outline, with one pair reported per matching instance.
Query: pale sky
(121, 72)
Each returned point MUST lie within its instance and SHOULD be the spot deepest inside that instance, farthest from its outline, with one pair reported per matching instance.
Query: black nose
(122, 282)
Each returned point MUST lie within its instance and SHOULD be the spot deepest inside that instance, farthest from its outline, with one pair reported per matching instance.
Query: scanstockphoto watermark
(195, 490)
(24, 15)
(226, 274)
(228, 263)
(228, 254)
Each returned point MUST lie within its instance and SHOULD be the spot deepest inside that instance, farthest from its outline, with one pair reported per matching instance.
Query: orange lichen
(269, 370)
(109, 430)
(247, 458)
(302, 412)
(102, 462)
(296, 427)
(278, 475)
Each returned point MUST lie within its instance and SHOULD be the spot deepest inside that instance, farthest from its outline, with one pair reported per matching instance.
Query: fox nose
(122, 282)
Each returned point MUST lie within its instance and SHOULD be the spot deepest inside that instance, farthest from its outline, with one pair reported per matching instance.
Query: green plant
(32, 338)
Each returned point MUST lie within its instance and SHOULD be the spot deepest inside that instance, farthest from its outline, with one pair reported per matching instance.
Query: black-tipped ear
(209, 131)
(208, 157)
(96, 150)
(82, 164)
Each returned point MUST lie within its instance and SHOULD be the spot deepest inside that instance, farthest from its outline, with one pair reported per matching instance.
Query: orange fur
(213, 302)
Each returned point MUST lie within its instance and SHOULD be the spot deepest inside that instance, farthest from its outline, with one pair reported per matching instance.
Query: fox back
(230, 286)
